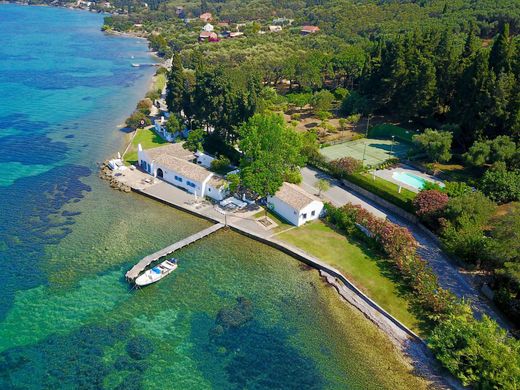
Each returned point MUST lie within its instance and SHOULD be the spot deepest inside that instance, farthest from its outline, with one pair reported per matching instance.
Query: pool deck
(386, 174)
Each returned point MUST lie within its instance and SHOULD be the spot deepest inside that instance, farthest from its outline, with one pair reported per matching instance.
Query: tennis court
(377, 150)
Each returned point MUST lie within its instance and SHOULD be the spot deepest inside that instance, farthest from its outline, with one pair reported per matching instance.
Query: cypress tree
(175, 85)
(500, 58)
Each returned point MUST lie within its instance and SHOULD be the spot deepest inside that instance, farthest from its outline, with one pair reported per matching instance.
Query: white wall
(295, 217)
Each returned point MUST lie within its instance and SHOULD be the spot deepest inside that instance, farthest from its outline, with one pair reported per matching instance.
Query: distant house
(295, 204)
(206, 17)
(282, 21)
(208, 36)
(208, 27)
(306, 30)
(275, 28)
(175, 165)
(235, 34)
(223, 24)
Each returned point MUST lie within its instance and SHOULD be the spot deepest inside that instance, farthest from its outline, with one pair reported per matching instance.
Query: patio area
(407, 177)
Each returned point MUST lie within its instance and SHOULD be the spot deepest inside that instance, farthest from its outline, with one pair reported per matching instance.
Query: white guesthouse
(178, 166)
(295, 204)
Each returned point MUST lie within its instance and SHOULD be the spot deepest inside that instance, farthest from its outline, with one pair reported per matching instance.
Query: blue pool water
(410, 179)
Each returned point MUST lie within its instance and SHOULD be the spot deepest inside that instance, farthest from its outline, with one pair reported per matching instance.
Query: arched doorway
(160, 173)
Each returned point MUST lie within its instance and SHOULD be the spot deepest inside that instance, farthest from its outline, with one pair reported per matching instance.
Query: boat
(156, 273)
(136, 65)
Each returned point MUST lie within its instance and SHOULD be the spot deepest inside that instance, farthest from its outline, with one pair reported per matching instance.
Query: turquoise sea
(235, 315)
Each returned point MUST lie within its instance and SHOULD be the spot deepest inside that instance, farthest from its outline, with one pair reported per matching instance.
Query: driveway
(450, 276)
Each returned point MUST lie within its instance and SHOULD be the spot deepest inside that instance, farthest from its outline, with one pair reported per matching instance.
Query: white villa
(208, 27)
(295, 204)
(178, 166)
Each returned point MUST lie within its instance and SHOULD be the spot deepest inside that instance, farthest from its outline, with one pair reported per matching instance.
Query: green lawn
(368, 272)
(387, 130)
(160, 81)
(147, 138)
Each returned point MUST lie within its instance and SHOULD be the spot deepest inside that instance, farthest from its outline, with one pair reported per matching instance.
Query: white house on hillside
(174, 164)
(295, 204)
(208, 27)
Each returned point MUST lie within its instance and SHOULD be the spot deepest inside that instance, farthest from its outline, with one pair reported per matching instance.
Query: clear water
(409, 179)
(235, 314)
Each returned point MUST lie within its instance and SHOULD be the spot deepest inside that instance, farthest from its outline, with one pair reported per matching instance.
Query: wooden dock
(136, 270)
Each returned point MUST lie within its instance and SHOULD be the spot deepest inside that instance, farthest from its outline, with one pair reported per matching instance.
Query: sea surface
(235, 315)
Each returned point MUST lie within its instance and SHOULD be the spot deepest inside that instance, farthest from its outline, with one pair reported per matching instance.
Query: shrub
(138, 119)
(340, 93)
(354, 118)
(293, 176)
(501, 185)
(430, 204)
(323, 115)
(296, 117)
(220, 165)
(476, 351)
(456, 188)
(322, 101)
(145, 106)
(346, 166)
(342, 123)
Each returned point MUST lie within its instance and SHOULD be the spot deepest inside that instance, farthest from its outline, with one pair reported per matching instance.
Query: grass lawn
(160, 82)
(368, 272)
(387, 130)
(147, 138)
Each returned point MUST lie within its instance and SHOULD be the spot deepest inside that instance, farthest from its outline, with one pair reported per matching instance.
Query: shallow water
(236, 314)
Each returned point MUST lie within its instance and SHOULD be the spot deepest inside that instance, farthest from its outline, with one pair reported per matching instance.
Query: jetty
(136, 270)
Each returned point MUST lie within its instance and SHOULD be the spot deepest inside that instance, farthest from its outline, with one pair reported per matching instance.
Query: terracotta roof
(175, 150)
(295, 196)
(205, 16)
(310, 29)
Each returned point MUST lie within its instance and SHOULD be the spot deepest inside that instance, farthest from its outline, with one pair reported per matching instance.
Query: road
(449, 275)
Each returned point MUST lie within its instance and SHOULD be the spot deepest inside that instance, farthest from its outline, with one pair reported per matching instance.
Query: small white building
(295, 205)
(208, 27)
(177, 166)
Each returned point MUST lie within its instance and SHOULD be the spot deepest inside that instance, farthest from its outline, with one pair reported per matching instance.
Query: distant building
(306, 30)
(235, 34)
(275, 28)
(223, 24)
(295, 205)
(208, 27)
(206, 17)
(208, 36)
(282, 21)
(175, 165)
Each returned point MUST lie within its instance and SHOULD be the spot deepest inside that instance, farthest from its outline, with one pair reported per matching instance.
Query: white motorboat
(156, 273)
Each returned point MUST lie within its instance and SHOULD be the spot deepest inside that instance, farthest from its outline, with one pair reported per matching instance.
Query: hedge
(384, 189)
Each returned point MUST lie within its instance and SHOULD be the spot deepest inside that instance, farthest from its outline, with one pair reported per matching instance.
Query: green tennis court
(377, 150)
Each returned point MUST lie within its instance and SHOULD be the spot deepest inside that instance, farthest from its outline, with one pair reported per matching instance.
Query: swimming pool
(411, 179)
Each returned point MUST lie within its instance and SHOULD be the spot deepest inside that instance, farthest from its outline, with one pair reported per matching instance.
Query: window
(313, 213)
(304, 216)
(190, 184)
(178, 178)
(209, 189)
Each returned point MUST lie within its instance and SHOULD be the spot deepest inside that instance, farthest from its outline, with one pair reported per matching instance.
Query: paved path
(450, 276)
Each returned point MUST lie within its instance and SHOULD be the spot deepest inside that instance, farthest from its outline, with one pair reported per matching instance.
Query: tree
(430, 204)
(234, 182)
(436, 144)
(270, 149)
(322, 101)
(220, 165)
(505, 235)
(503, 148)
(176, 85)
(474, 351)
(478, 153)
(322, 185)
(501, 185)
(145, 106)
(173, 125)
(500, 58)
(194, 140)
(137, 119)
